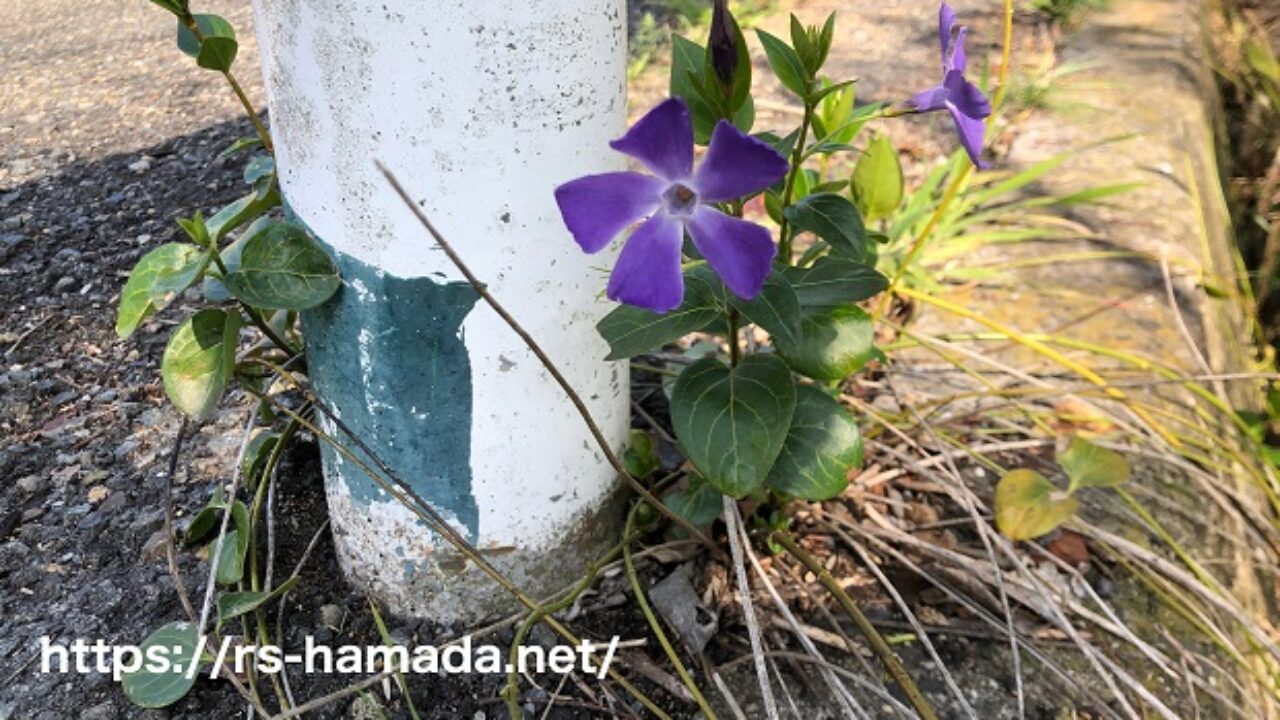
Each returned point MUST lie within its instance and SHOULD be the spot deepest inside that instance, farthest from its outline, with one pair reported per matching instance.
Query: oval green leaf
(775, 309)
(834, 281)
(217, 51)
(199, 360)
(786, 64)
(732, 422)
(1028, 505)
(822, 446)
(698, 502)
(834, 219)
(234, 604)
(155, 281)
(159, 689)
(632, 330)
(282, 268)
(834, 344)
(1089, 465)
(877, 183)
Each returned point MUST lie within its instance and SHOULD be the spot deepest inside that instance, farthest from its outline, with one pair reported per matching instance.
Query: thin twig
(732, 520)
(605, 448)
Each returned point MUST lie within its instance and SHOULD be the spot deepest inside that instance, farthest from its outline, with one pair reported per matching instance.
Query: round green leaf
(732, 422)
(158, 689)
(834, 344)
(1089, 465)
(1028, 505)
(158, 277)
(823, 444)
(199, 360)
(218, 49)
(282, 268)
(877, 183)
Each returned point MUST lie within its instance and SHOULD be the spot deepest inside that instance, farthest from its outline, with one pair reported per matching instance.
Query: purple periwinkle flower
(966, 103)
(676, 198)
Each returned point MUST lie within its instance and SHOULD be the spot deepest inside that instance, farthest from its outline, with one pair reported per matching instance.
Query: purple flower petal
(735, 165)
(662, 140)
(959, 58)
(970, 130)
(648, 271)
(596, 208)
(946, 21)
(740, 252)
(966, 96)
(934, 98)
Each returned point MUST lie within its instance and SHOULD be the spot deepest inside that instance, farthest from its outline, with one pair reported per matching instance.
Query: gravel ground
(107, 134)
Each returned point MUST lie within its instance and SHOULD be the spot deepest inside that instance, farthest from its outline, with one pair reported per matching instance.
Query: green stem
(797, 162)
(654, 625)
(190, 21)
(512, 692)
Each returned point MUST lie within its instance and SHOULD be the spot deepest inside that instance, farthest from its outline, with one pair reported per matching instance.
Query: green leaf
(834, 281)
(834, 219)
(242, 211)
(199, 360)
(877, 180)
(258, 168)
(1089, 465)
(632, 330)
(834, 344)
(244, 143)
(159, 277)
(699, 502)
(1262, 59)
(234, 604)
(217, 51)
(775, 309)
(230, 551)
(821, 94)
(688, 61)
(159, 689)
(641, 456)
(234, 544)
(177, 7)
(822, 446)
(282, 268)
(257, 453)
(1028, 505)
(214, 289)
(732, 422)
(786, 64)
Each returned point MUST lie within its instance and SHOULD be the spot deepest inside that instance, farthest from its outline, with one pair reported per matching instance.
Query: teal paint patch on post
(387, 354)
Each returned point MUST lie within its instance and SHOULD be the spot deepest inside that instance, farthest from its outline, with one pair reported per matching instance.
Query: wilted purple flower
(966, 103)
(597, 208)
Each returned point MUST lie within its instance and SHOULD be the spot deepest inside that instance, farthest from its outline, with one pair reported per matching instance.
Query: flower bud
(723, 44)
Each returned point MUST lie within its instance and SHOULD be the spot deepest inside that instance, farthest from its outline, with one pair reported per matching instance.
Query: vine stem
(797, 161)
(656, 626)
(891, 661)
(1002, 87)
(189, 21)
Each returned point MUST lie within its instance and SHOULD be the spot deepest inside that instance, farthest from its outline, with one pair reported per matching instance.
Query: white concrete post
(481, 109)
